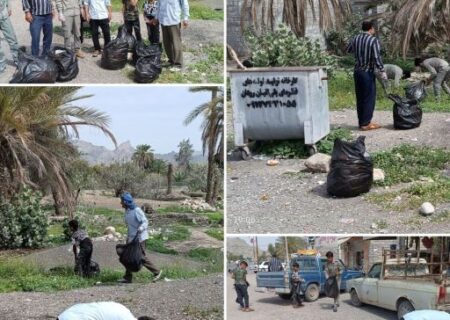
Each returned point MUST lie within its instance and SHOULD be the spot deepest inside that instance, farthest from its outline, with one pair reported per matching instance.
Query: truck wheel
(404, 307)
(285, 296)
(355, 299)
(312, 292)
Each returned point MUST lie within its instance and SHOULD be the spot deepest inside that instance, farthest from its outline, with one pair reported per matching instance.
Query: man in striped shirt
(275, 264)
(39, 13)
(366, 49)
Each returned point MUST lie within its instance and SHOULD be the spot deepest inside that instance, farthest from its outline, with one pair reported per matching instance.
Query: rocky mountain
(239, 247)
(100, 155)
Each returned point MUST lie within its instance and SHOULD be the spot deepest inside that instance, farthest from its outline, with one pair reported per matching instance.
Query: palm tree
(35, 126)
(143, 156)
(415, 24)
(261, 14)
(158, 166)
(184, 155)
(212, 133)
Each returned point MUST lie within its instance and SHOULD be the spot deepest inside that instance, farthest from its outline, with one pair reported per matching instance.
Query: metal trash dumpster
(280, 103)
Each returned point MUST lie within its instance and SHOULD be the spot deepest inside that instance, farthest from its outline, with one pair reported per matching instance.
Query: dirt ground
(174, 300)
(262, 199)
(198, 34)
(268, 305)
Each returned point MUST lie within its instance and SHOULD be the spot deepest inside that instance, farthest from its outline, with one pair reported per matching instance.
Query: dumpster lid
(278, 69)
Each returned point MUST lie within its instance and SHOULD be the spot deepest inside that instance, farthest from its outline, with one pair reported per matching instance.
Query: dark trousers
(296, 294)
(172, 44)
(42, 23)
(242, 295)
(130, 25)
(104, 25)
(83, 261)
(366, 92)
(153, 32)
(147, 263)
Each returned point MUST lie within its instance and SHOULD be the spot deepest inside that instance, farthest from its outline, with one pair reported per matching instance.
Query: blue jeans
(366, 93)
(44, 23)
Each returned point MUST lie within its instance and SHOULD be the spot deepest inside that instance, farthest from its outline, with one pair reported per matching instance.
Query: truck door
(370, 285)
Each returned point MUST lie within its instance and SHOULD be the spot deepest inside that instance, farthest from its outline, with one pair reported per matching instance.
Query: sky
(145, 115)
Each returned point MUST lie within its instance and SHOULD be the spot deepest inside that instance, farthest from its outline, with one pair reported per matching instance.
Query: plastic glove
(61, 17)
(384, 75)
(140, 229)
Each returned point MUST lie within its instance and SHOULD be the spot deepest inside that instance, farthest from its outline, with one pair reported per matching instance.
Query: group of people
(332, 271)
(366, 50)
(169, 15)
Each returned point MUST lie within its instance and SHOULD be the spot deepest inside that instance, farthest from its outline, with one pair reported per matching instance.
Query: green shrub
(23, 222)
(338, 39)
(282, 48)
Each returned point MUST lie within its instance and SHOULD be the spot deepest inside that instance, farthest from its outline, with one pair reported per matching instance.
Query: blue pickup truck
(311, 269)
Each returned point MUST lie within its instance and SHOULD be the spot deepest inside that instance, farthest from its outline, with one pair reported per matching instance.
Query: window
(375, 272)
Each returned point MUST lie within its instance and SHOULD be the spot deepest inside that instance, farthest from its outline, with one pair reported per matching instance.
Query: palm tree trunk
(210, 178)
(58, 202)
(216, 183)
(169, 178)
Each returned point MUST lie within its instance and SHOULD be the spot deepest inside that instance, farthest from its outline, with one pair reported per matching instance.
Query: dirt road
(199, 33)
(268, 305)
(281, 199)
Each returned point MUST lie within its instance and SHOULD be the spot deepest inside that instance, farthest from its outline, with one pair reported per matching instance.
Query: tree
(212, 133)
(169, 178)
(415, 24)
(143, 156)
(294, 243)
(260, 16)
(123, 177)
(184, 155)
(35, 126)
(158, 166)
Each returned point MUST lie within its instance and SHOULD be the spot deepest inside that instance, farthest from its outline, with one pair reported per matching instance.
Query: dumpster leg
(312, 149)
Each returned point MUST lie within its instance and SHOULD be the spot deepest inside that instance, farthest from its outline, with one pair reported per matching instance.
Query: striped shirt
(366, 50)
(275, 265)
(37, 7)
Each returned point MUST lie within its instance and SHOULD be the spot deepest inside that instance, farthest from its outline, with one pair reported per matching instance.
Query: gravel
(199, 33)
(262, 199)
(161, 300)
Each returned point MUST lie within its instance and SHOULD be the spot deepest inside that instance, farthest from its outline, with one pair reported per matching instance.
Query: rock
(319, 162)
(378, 175)
(321, 182)
(110, 237)
(347, 220)
(273, 163)
(426, 209)
(147, 208)
(374, 226)
(110, 230)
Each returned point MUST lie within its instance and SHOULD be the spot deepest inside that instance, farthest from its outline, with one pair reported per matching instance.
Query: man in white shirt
(137, 225)
(99, 311)
(99, 14)
(171, 14)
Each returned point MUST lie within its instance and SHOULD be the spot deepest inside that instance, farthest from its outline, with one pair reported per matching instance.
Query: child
(332, 273)
(81, 239)
(241, 285)
(131, 17)
(150, 8)
(297, 282)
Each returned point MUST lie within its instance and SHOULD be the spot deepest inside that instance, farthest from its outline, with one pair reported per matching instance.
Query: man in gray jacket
(440, 73)
(69, 14)
(8, 34)
(137, 225)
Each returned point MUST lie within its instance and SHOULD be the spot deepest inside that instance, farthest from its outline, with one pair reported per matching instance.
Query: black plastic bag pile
(351, 170)
(416, 91)
(32, 69)
(148, 62)
(407, 112)
(331, 287)
(67, 63)
(130, 255)
(115, 54)
(123, 34)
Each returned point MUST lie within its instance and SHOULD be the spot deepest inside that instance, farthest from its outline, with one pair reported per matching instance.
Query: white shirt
(136, 219)
(97, 311)
(170, 12)
(98, 9)
(427, 315)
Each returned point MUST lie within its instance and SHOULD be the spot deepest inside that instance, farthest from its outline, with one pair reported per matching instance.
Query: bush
(23, 222)
(282, 48)
(338, 39)
(196, 178)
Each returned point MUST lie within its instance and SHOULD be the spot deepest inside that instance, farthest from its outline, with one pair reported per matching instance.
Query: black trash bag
(31, 69)
(115, 55)
(143, 50)
(126, 36)
(407, 113)
(351, 170)
(148, 69)
(331, 287)
(416, 91)
(67, 63)
(95, 268)
(130, 254)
